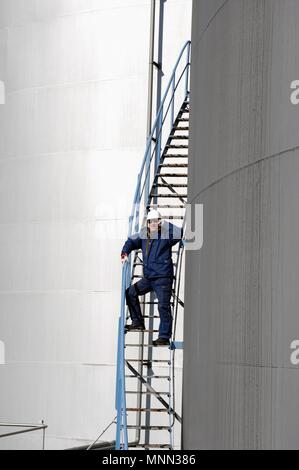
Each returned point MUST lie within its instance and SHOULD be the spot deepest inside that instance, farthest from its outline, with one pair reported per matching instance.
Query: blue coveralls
(158, 273)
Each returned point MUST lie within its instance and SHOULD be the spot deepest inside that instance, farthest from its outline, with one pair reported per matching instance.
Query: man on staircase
(156, 241)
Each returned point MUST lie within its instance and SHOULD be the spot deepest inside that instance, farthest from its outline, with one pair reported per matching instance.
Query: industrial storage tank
(241, 312)
(72, 138)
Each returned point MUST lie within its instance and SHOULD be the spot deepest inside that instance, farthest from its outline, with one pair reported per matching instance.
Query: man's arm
(133, 243)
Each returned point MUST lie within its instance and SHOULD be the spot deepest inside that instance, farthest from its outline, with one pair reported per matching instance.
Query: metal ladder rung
(148, 376)
(173, 185)
(180, 128)
(146, 410)
(173, 196)
(146, 361)
(176, 147)
(174, 165)
(175, 155)
(136, 392)
(166, 206)
(172, 175)
(180, 137)
(144, 331)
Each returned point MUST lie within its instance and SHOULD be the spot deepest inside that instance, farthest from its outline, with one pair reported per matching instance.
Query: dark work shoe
(161, 342)
(135, 327)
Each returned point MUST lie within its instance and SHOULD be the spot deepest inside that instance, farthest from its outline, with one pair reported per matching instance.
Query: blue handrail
(142, 190)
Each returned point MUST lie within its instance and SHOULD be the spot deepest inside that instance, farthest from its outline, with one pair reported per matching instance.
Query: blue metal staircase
(146, 382)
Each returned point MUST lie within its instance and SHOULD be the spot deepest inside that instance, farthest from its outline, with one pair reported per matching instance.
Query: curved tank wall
(242, 297)
(72, 135)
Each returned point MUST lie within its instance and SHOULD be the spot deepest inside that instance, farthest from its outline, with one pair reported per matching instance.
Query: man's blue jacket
(157, 260)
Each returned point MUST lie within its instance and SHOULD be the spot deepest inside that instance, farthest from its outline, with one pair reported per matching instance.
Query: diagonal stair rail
(176, 93)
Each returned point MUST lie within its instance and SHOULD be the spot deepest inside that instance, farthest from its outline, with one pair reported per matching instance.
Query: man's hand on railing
(124, 257)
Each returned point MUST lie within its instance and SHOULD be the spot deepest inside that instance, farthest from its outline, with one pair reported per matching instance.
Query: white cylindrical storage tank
(241, 311)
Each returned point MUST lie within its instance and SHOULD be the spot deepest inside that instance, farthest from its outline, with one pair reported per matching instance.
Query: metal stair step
(183, 119)
(136, 392)
(177, 128)
(173, 185)
(167, 206)
(171, 146)
(176, 157)
(145, 361)
(172, 175)
(147, 376)
(174, 165)
(146, 410)
(144, 331)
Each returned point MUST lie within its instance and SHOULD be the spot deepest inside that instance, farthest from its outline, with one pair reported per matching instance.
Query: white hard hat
(153, 214)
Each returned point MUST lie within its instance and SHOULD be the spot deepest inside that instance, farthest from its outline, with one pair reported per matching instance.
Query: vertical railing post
(123, 388)
(173, 103)
(118, 390)
(121, 426)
